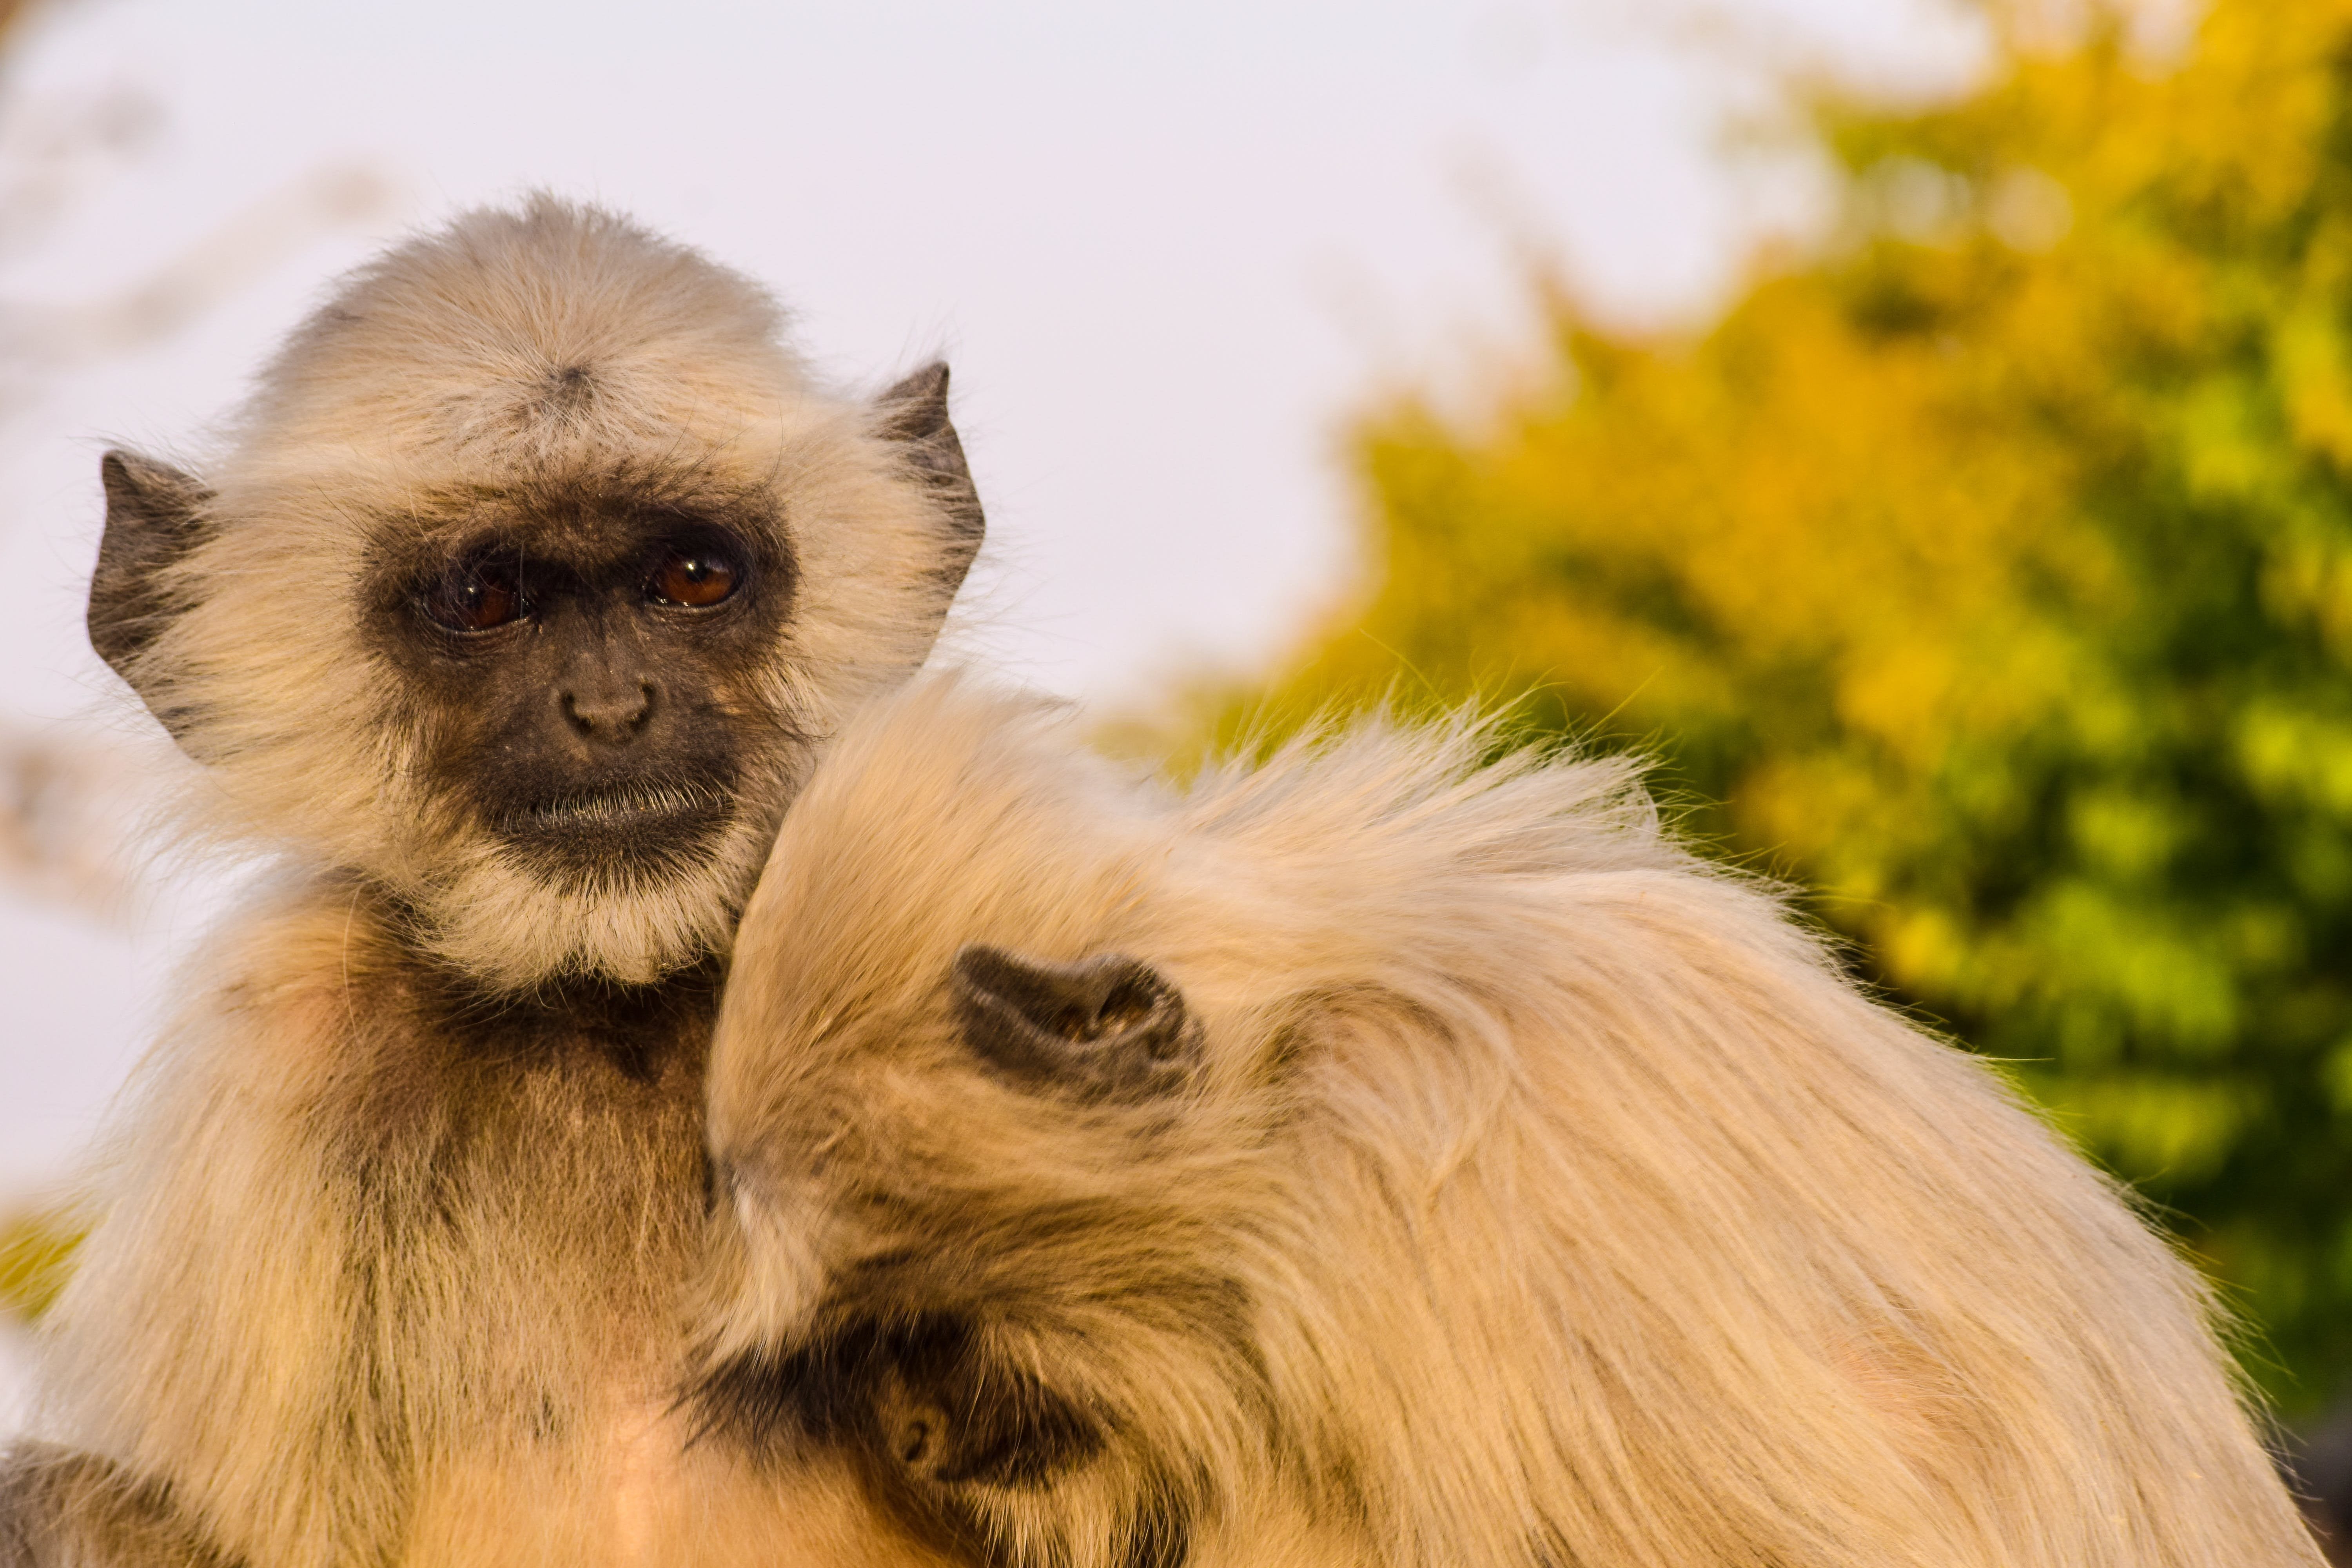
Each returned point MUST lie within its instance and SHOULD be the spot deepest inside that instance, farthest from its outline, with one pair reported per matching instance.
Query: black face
(586, 671)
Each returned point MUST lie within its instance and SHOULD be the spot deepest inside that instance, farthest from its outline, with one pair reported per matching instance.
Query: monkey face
(589, 675)
(540, 570)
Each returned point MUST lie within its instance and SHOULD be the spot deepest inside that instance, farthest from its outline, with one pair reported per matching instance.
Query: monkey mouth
(650, 826)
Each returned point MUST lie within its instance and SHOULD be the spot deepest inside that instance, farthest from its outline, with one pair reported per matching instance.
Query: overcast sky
(1168, 250)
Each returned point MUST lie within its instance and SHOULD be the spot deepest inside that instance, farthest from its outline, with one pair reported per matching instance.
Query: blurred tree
(1992, 565)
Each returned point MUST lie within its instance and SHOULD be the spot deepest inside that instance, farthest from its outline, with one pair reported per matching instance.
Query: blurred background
(1923, 428)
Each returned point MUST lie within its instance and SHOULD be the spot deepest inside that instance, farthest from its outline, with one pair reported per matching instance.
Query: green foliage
(1993, 568)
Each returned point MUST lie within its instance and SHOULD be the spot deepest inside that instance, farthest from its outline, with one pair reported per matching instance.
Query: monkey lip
(628, 810)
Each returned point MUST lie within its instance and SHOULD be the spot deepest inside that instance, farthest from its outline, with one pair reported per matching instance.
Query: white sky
(1168, 248)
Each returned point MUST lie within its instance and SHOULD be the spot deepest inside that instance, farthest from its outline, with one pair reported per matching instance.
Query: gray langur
(510, 620)
(1376, 1158)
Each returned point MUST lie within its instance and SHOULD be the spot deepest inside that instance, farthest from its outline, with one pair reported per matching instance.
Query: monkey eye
(478, 592)
(695, 576)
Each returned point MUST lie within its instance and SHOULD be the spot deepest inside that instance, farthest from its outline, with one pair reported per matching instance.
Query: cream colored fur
(1547, 1197)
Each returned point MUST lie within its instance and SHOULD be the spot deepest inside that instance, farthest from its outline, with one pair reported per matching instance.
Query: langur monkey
(529, 583)
(1377, 1158)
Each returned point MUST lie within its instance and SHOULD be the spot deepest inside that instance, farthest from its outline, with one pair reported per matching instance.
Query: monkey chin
(512, 921)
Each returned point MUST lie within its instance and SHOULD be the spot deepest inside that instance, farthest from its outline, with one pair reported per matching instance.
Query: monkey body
(529, 583)
(435, 1322)
(1428, 1152)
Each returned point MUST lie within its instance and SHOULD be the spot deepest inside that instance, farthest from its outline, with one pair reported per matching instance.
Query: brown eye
(478, 594)
(696, 577)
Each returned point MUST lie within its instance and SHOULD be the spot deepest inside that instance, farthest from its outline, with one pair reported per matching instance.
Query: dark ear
(155, 515)
(914, 415)
(1105, 1028)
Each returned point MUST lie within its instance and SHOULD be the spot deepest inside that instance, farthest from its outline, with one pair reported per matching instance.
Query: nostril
(614, 716)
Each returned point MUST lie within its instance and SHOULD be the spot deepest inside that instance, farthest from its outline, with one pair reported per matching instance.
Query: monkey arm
(63, 1509)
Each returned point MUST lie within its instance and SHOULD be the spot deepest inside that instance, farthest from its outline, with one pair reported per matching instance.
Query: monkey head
(531, 576)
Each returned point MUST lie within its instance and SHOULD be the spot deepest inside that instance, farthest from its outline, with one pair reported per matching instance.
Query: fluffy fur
(1539, 1197)
(399, 1211)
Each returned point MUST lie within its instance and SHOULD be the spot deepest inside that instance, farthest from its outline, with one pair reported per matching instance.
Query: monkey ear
(155, 516)
(1105, 1028)
(914, 416)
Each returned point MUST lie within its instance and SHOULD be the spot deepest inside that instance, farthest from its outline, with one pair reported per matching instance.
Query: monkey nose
(612, 714)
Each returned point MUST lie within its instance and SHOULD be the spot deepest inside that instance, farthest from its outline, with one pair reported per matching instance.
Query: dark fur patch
(919, 1394)
(438, 1064)
(60, 1505)
(644, 1033)
(914, 415)
(1105, 1028)
(1160, 1535)
(155, 517)
(572, 385)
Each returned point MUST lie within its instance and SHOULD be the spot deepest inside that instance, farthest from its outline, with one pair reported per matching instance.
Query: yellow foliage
(1992, 568)
(36, 1250)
